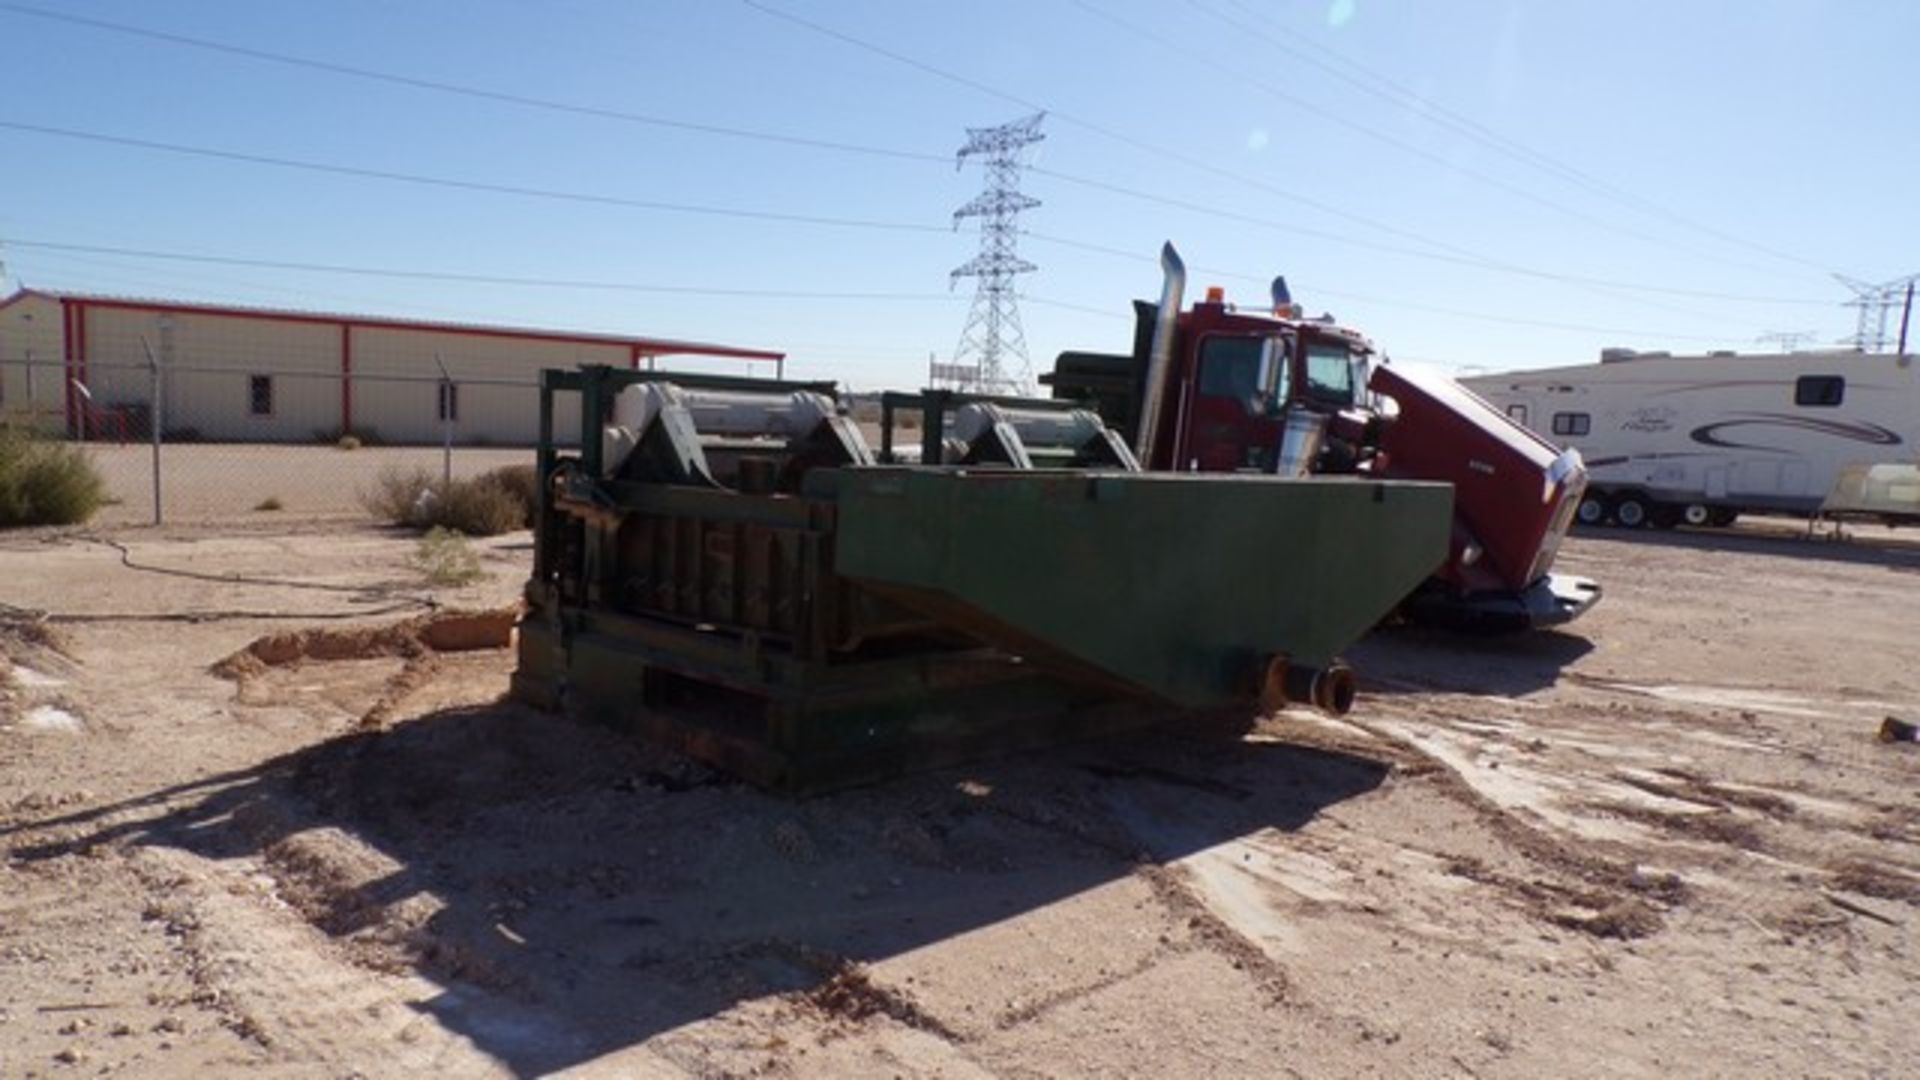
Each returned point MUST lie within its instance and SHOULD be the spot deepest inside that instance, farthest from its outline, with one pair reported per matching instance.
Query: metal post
(85, 403)
(543, 458)
(154, 409)
(446, 424)
(1906, 313)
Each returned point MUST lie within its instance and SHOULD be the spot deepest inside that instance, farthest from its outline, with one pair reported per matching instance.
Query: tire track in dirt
(1605, 897)
(272, 978)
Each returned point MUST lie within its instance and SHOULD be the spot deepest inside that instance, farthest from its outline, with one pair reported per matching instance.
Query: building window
(1572, 423)
(447, 407)
(260, 395)
(1819, 390)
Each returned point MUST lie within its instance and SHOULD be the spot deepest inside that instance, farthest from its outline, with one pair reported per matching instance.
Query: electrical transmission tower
(992, 354)
(1876, 303)
(1787, 340)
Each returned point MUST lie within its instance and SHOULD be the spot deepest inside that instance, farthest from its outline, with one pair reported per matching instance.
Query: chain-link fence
(235, 432)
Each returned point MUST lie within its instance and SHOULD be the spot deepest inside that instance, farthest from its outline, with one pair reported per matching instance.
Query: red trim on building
(66, 363)
(648, 346)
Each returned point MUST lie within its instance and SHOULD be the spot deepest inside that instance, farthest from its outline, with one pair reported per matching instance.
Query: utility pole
(992, 354)
(1906, 314)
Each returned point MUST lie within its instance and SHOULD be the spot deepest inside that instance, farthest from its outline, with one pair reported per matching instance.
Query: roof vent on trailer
(1616, 353)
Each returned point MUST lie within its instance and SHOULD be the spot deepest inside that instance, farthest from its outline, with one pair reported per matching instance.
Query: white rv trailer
(1702, 439)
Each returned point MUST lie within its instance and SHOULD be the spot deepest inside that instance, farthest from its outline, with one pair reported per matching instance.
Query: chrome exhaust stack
(1160, 356)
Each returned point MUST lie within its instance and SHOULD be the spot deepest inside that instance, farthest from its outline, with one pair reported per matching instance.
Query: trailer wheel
(1630, 511)
(1697, 515)
(1593, 510)
(1720, 516)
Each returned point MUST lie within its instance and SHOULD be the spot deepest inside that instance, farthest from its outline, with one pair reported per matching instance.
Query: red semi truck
(1220, 388)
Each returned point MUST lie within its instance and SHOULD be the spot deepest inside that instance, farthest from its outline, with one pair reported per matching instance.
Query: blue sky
(1470, 182)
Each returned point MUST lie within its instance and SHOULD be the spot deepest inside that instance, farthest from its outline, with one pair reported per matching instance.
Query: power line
(1371, 82)
(466, 185)
(1303, 289)
(131, 273)
(1044, 301)
(463, 90)
(479, 279)
(1123, 138)
(650, 205)
(1459, 256)
(1211, 61)
(1097, 128)
(456, 183)
(1473, 261)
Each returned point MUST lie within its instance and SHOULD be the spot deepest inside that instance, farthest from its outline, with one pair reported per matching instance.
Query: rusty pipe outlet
(1333, 689)
(1330, 689)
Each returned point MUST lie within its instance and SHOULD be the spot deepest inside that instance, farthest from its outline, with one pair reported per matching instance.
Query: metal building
(87, 366)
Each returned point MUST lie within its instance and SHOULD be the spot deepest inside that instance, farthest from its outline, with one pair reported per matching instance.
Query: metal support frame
(933, 406)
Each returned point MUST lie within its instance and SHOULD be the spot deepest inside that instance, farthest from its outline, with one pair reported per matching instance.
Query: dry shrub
(523, 482)
(43, 482)
(398, 495)
(486, 505)
(445, 558)
(477, 507)
(346, 438)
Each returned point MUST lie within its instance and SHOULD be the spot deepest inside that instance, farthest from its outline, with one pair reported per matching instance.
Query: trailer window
(260, 395)
(1518, 414)
(1572, 423)
(1819, 390)
(1330, 374)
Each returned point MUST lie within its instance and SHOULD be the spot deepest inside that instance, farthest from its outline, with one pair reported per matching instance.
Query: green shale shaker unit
(727, 566)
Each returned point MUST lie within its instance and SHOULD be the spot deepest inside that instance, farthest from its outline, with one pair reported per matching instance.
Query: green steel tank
(729, 568)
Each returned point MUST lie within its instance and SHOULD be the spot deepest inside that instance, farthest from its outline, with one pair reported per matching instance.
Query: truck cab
(1234, 377)
(1219, 388)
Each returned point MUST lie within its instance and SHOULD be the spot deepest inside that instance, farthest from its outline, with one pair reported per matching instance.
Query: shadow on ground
(590, 893)
(1416, 659)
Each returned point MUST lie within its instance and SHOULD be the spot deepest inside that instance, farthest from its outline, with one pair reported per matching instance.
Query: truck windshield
(1330, 371)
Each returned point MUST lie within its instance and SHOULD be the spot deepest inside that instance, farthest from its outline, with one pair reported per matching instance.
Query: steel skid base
(805, 729)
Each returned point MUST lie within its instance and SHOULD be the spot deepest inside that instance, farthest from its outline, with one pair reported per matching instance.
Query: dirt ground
(1664, 842)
